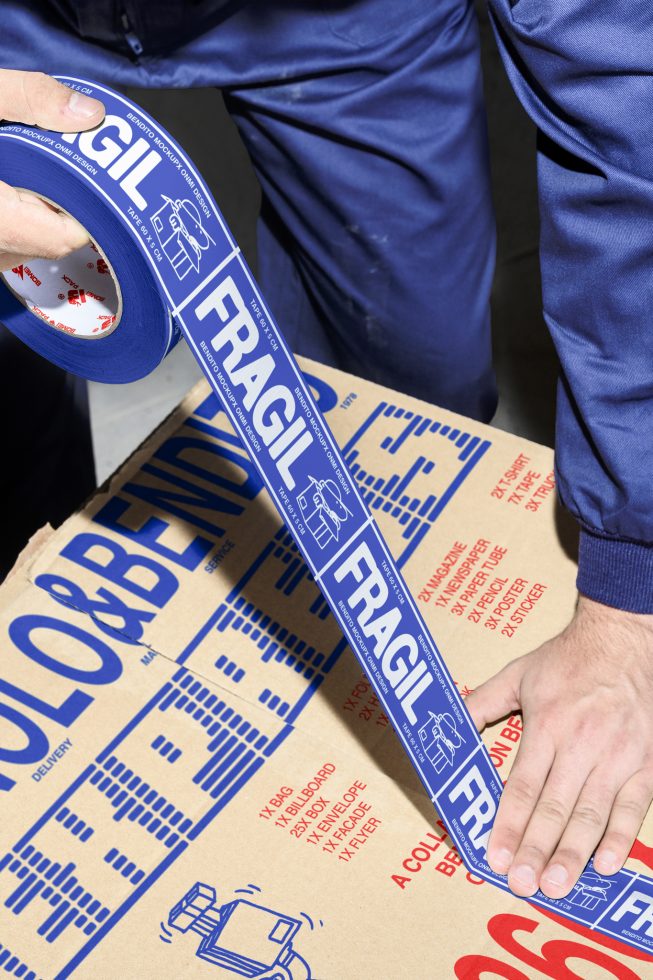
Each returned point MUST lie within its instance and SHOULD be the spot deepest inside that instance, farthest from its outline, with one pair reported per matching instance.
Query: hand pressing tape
(165, 264)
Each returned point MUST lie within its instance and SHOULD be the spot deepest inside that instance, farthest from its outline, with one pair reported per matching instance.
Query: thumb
(36, 99)
(497, 697)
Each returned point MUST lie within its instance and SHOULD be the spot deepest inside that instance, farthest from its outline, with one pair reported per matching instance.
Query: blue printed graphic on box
(52, 885)
(240, 936)
(262, 610)
(417, 496)
(215, 301)
(138, 807)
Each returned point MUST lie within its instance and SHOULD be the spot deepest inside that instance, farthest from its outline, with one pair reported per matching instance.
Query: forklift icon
(178, 227)
(322, 509)
(440, 738)
(246, 939)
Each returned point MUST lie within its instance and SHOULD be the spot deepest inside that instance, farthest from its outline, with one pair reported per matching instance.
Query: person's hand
(30, 228)
(583, 777)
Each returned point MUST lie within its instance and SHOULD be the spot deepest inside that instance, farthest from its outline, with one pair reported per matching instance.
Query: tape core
(78, 295)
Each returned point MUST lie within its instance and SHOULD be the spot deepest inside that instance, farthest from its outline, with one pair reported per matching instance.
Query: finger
(31, 229)
(12, 260)
(38, 100)
(31, 197)
(628, 811)
(565, 827)
(519, 799)
(497, 697)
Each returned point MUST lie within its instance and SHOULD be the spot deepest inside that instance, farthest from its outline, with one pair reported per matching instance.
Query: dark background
(524, 355)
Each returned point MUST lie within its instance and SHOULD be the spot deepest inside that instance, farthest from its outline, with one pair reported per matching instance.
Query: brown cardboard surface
(200, 720)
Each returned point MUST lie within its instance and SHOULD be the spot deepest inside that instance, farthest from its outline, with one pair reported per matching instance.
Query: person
(46, 409)
(364, 120)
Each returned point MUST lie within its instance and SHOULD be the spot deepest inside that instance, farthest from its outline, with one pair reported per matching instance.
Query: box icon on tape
(178, 227)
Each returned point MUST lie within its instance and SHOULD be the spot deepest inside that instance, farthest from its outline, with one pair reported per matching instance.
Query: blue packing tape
(181, 273)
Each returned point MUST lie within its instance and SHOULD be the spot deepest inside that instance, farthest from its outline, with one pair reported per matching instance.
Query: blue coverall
(365, 123)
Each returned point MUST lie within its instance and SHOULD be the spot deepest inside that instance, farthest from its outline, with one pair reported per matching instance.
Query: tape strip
(181, 272)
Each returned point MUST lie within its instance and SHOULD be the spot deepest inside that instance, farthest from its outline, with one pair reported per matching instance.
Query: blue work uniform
(365, 123)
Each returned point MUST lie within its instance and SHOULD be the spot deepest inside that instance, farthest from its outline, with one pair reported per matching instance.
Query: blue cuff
(615, 572)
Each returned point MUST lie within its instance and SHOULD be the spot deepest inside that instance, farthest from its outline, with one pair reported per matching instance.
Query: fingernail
(607, 862)
(556, 875)
(524, 875)
(500, 860)
(81, 106)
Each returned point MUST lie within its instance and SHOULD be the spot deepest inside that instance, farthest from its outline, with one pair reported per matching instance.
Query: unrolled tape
(165, 265)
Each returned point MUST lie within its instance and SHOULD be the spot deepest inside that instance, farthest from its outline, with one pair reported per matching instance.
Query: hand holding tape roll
(162, 264)
(29, 227)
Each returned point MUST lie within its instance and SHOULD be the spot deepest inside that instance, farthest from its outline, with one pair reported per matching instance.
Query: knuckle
(10, 241)
(586, 729)
(629, 808)
(506, 836)
(548, 715)
(618, 841)
(532, 853)
(640, 787)
(41, 249)
(38, 84)
(553, 810)
(588, 815)
(52, 252)
(55, 250)
(569, 857)
(64, 250)
(37, 79)
(521, 791)
(41, 93)
(76, 235)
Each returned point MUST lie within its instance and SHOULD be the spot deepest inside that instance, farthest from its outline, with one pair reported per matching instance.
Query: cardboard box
(197, 778)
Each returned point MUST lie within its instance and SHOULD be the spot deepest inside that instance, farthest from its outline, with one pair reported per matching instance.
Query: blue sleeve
(583, 69)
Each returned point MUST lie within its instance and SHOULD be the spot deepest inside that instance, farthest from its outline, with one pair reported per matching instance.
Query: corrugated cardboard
(197, 778)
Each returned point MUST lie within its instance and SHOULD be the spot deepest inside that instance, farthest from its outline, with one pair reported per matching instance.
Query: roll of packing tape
(164, 264)
(58, 308)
